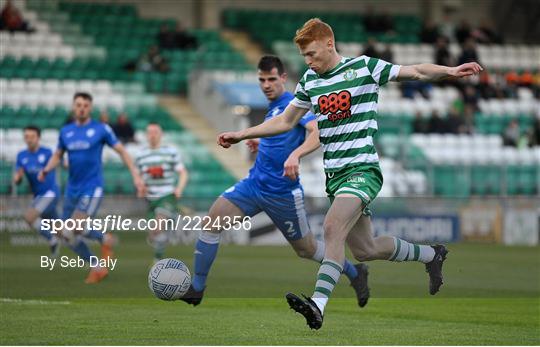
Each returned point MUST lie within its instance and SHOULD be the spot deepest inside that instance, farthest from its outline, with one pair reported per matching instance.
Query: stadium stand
(469, 160)
(86, 46)
(72, 49)
(90, 46)
(348, 26)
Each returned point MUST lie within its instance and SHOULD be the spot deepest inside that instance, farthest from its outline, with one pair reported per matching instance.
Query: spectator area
(464, 155)
(83, 47)
(348, 27)
(96, 41)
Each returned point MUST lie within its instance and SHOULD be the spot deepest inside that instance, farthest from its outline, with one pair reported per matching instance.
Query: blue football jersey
(84, 147)
(274, 151)
(32, 163)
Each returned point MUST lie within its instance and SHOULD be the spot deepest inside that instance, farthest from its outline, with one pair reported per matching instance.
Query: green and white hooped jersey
(158, 168)
(345, 102)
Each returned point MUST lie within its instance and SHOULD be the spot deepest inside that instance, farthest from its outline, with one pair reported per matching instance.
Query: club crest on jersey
(41, 158)
(90, 132)
(349, 75)
(275, 112)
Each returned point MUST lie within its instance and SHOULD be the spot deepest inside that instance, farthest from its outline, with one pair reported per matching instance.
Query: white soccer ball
(169, 279)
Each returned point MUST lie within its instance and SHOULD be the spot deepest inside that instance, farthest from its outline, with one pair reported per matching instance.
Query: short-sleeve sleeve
(137, 159)
(18, 162)
(178, 162)
(110, 137)
(382, 71)
(48, 155)
(308, 117)
(61, 143)
(301, 97)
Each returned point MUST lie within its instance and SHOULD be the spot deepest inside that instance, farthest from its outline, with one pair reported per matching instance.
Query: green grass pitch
(491, 297)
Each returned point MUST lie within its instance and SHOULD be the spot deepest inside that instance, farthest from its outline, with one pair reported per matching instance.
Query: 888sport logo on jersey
(336, 106)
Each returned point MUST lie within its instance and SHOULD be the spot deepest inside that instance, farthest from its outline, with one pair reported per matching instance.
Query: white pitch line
(33, 302)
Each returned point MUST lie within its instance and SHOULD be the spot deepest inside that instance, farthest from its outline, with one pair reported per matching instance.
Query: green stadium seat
(4, 188)
(512, 172)
(478, 184)
(24, 112)
(41, 112)
(127, 188)
(23, 189)
(528, 180)
(122, 36)
(20, 122)
(156, 82)
(8, 72)
(8, 63)
(25, 63)
(7, 123)
(493, 177)
(59, 63)
(451, 181)
(7, 112)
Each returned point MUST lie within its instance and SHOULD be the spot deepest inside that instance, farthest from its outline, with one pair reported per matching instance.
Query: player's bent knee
(217, 221)
(30, 216)
(329, 228)
(333, 231)
(221, 217)
(305, 253)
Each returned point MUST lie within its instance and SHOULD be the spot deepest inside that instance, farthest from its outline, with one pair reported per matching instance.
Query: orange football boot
(96, 275)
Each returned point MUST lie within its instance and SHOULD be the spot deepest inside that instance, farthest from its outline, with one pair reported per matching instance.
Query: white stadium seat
(115, 101)
(13, 135)
(3, 87)
(34, 85)
(52, 86)
(32, 98)
(85, 85)
(525, 94)
(102, 87)
(16, 85)
(20, 37)
(13, 99)
(69, 86)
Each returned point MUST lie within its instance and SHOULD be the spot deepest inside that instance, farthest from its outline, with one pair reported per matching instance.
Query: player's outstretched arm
(434, 73)
(53, 162)
(126, 158)
(277, 125)
(291, 167)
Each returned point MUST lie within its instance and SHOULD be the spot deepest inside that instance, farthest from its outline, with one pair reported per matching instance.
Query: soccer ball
(169, 279)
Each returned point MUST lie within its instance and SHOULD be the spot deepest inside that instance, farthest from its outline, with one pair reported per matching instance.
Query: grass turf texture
(491, 296)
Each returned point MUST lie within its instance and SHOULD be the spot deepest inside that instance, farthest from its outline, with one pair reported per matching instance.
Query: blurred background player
(159, 166)
(29, 163)
(273, 186)
(83, 140)
(345, 91)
